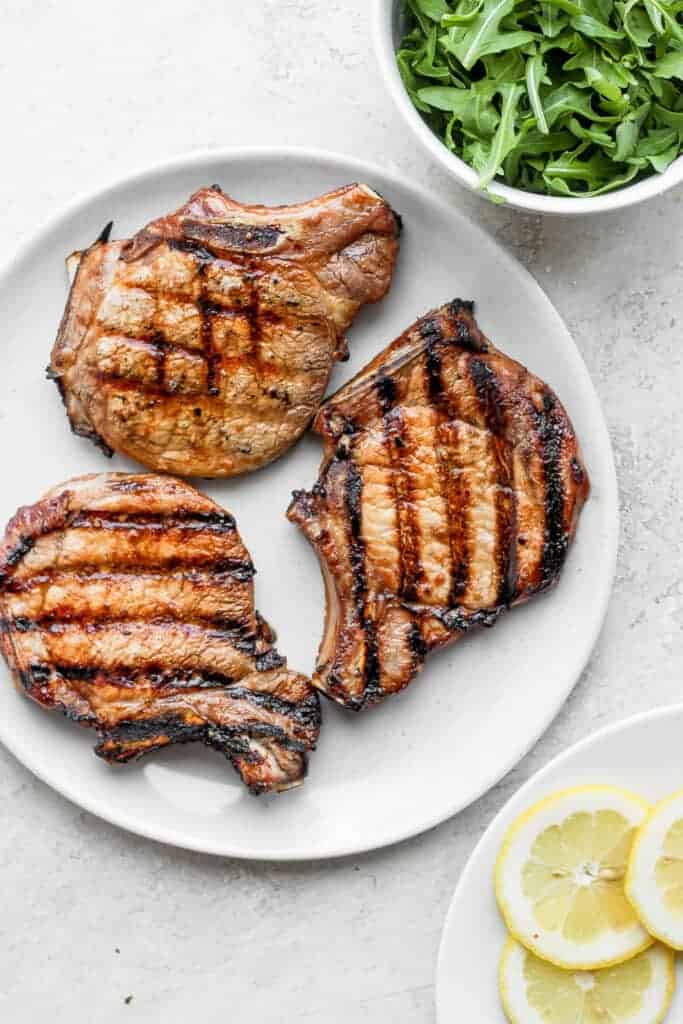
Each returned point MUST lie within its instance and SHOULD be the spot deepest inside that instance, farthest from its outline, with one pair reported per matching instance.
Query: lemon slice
(560, 878)
(654, 880)
(636, 992)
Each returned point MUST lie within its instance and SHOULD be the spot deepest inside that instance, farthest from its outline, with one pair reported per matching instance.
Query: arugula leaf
(483, 34)
(505, 138)
(434, 9)
(566, 97)
(670, 65)
(535, 75)
(628, 132)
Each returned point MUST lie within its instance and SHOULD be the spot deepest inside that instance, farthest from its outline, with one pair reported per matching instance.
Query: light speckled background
(91, 915)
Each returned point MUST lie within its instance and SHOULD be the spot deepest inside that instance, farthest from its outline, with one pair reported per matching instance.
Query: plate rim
(612, 728)
(364, 169)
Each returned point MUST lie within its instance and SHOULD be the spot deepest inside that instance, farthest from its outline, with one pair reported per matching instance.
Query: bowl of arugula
(554, 106)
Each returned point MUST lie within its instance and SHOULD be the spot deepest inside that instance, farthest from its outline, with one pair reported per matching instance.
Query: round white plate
(377, 777)
(643, 754)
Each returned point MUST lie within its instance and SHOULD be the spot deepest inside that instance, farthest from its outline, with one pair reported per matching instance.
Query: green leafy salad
(562, 97)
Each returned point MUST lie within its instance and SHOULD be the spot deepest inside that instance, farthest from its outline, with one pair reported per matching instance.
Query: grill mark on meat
(353, 497)
(123, 383)
(214, 573)
(213, 359)
(228, 739)
(239, 632)
(492, 405)
(242, 237)
(157, 342)
(409, 554)
(417, 646)
(386, 393)
(163, 729)
(305, 713)
(160, 349)
(153, 676)
(252, 310)
(215, 522)
(550, 430)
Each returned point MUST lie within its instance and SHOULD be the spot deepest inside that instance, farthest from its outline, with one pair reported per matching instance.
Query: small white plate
(393, 772)
(644, 754)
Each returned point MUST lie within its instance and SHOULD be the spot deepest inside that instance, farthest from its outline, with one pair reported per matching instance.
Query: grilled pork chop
(127, 603)
(204, 344)
(450, 489)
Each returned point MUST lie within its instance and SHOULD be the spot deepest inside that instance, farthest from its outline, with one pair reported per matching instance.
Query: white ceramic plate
(643, 754)
(391, 773)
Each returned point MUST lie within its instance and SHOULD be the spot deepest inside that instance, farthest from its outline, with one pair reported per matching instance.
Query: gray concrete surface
(90, 915)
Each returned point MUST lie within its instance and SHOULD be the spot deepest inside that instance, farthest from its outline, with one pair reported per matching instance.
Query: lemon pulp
(575, 873)
(669, 869)
(566, 997)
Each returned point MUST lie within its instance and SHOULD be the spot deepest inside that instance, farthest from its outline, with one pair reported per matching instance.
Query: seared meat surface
(203, 345)
(450, 489)
(127, 603)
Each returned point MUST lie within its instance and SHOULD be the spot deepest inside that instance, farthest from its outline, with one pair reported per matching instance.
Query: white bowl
(387, 32)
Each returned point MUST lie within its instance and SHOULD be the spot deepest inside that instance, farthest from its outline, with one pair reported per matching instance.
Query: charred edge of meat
(462, 310)
(271, 659)
(85, 432)
(578, 472)
(303, 503)
(34, 676)
(104, 234)
(372, 690)
(79, 431)
(118, 745)
(550, 431)
(460, 620)
(14, 557)
(249, 237)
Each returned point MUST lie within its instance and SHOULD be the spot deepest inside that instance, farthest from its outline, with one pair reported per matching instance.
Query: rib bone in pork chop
(204, 344)
(450, 489)
(126, 602)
